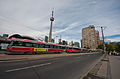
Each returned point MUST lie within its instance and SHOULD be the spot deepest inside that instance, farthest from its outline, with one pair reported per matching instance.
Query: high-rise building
(97, 38)
(76, 44)
(100, 42)
(90, 37)
(52, 41)
(59, 41)
(71, 43)
(46, 38)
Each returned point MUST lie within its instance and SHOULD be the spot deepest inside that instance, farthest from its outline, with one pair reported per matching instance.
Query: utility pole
(103, 41)
(50, 33)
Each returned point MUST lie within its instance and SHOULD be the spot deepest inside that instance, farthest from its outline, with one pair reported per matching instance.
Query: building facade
(46, 39)
(76, 44)
(90, 37)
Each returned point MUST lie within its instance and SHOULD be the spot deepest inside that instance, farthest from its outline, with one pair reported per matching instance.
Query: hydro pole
(103, 41)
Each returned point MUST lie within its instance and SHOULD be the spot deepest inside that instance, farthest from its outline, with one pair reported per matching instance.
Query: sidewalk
(115, 66)
(99, 70)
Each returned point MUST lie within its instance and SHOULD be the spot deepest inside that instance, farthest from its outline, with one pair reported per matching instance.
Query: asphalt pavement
(115, 66)
(66, 67)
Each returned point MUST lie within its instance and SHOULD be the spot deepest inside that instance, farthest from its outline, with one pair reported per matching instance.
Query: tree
(109, 47)
(100, 46)
(117, 47)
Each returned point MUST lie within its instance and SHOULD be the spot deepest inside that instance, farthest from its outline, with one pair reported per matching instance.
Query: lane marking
(11, 70)
(11, 61)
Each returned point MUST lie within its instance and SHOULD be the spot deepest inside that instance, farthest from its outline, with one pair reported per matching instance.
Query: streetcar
(24, 46)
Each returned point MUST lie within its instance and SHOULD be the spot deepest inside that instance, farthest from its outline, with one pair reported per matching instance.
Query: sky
(32, 18)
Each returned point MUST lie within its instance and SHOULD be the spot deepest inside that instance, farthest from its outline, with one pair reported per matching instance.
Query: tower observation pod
(50, 33)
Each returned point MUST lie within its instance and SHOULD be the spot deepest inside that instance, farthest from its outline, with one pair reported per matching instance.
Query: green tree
(109, 47)
(117, 47)
(100, 46)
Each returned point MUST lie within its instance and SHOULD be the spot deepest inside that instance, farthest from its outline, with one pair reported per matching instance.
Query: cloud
(31, 17)
(73, 25)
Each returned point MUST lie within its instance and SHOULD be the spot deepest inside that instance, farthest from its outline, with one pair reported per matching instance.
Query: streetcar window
(56, 47)
(51, 46)
(23, 44)
(17, 43)
(60, 47)
(11, 44)
(83, 49)
(34, 45)
(70, 48)
(63, 47)
(67, 48)
(41, 45)
(27, 44)
(47, 46)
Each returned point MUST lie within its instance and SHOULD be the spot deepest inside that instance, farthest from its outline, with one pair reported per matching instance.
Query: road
(65, 67)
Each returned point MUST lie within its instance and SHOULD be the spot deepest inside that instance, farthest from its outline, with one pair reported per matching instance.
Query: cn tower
(50, 33)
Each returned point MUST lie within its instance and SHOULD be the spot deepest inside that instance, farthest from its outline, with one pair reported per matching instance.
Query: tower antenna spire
(50, 33)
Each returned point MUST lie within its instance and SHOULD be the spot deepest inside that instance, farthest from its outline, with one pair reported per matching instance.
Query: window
(27, 44)
(67, 47)
(24, 44)
(41, 45)
(11, 44)
(70, 48)
(47, 46)
(17, 43)
(34, 45)
(63, 47)
(56, 47)
(51, 46)
(60, 47)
